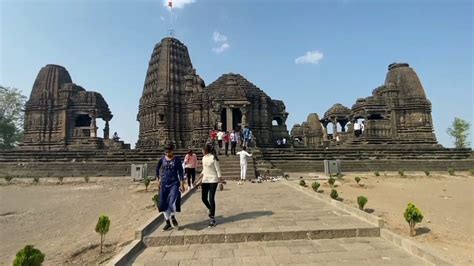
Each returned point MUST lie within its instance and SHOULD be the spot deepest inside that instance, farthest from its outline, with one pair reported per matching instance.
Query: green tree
(102, 228)
(459, 130)
(29, 256)
(11, 117)
(413, 216)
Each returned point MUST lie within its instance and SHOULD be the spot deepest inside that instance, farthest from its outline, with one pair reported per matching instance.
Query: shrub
(427, 173)
(339, 175)
(361, 201)
(302, 183)
(334, 194)
(29, 256)
(376, 173)
(412, 216)
(86, 179)
(156, 199)
(331, 181)
(472, 172)
(146, 181)
(36, 180)
(8, 178)
(60, 179)
(357, 179)
(401, 173)
(315, 186)
(102, 228)
(451, 171)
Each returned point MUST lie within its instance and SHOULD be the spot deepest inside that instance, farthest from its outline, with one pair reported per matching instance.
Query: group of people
(233, 138)
(170, 173)
(281, 142)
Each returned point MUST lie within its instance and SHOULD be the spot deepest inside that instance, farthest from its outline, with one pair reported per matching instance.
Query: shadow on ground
(422, 231)
(222, 220)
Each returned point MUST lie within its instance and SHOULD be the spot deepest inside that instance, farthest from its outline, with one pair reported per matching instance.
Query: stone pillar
(334, 128)
(343, 126)
(106, 130)
(244, 116)
(229, 118)
(93, 127)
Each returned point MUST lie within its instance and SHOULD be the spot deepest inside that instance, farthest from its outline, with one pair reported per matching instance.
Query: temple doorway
(231, 119)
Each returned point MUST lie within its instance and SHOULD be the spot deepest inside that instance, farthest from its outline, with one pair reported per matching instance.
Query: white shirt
(220, 135)
(211, 171)
(243, 156)
(362, 127)
(284, 141)
(356, 126)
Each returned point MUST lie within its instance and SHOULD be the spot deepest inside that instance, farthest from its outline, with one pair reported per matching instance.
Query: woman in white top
(211, 176)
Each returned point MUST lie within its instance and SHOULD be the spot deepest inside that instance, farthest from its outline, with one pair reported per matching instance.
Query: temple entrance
(231, 119)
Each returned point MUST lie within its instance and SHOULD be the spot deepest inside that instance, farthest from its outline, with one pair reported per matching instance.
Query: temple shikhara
(398, 112)
(61, 115)
(177, 107)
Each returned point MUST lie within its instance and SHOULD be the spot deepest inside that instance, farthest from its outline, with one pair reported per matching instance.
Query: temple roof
(337, 110)
(48, 82)
(405, 79)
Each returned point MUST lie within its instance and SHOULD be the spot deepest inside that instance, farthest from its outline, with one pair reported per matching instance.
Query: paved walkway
(269, 223)
(343, 251)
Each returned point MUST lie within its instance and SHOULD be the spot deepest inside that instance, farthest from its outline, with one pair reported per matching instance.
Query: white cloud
(221, 48)
(311, 57)
(217, 37)
(178, 3)
(221, 40)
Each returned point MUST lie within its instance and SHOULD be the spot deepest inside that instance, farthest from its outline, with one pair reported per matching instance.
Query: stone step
(236, 235)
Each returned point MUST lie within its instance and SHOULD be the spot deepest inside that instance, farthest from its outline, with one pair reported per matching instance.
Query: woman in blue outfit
(169, 173)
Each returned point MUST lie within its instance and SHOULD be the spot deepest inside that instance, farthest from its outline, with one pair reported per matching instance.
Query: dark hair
(208, 148)
(244, 148)
(169, 147)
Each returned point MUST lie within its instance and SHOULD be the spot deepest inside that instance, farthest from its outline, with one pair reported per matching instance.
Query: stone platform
(256, 212)
(269, 224)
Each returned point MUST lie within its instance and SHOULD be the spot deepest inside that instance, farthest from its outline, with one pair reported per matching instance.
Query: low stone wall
(376, 165)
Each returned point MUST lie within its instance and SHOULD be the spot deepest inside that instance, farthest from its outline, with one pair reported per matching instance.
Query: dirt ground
(60, 219)
(447, 203)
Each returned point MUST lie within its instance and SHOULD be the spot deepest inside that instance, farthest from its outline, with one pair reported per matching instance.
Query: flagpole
(170, 4)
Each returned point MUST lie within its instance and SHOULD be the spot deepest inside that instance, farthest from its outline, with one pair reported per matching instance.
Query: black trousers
(232, 148)
(226, 148)
(209, 197)
(190, 175)
(219, 142)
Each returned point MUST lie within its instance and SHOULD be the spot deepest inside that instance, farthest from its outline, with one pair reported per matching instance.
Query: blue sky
(106, 45)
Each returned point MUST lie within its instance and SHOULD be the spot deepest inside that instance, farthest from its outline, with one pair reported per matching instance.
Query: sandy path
(60, 219)
(447, 203)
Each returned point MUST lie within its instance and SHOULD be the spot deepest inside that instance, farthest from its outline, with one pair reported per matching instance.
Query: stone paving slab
(341, 251)
(260, 212)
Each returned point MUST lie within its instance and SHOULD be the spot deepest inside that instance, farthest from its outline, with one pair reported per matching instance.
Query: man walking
(233, 142)
(243, 154)
(226, 142)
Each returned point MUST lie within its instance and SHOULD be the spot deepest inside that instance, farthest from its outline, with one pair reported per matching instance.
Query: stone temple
(61, 115)
(177, 106)
(398, 112)
(61, 134)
